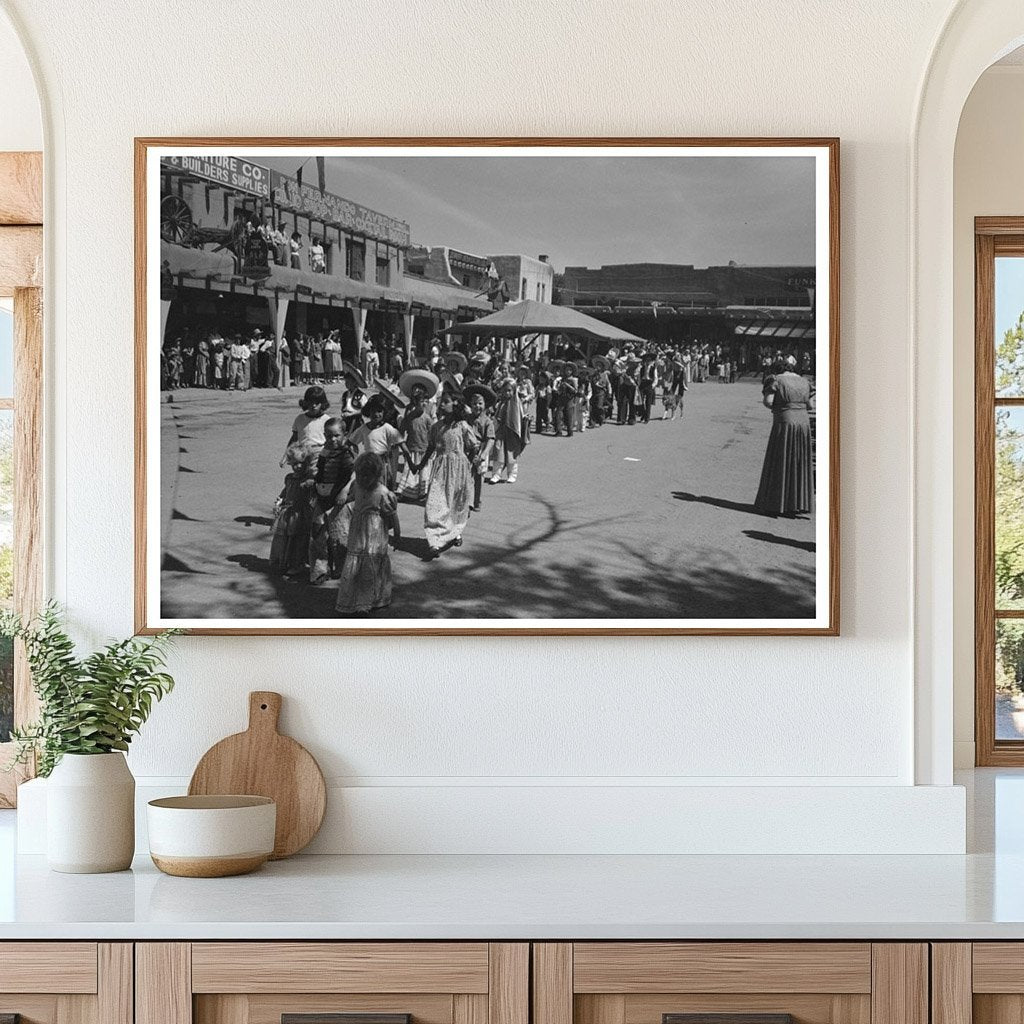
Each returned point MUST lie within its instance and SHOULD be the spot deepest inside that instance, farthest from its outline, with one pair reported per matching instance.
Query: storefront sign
(229, 171)
(333, 209)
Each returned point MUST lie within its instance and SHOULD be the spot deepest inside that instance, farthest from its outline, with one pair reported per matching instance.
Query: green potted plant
(90, 708)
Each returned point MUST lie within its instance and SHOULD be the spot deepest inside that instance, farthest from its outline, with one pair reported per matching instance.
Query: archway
(976, 34)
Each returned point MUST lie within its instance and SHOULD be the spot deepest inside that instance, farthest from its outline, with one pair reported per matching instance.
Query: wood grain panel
(76, 1010)
(998, 1009)
(899, 992)
(998, 225)
(468, 1009)
(592, 1009)
(339, 967)
(552, 983)
(21, 259)
(229, 1009)
(115, 983)
(33, 1009)
(951, 983)
(163, 983)
(508, 991)
(805, 1008)
(28, 483)
(636, 967)
(984, 502)
(21, 188)
(65, 967)
(267, 1009)
(998, 967)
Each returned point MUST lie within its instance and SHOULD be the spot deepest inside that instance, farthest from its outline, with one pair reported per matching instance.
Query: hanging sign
(310, 201)
(229, 171)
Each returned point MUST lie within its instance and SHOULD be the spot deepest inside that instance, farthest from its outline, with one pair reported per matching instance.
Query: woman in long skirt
(787, 478)
(451, 479)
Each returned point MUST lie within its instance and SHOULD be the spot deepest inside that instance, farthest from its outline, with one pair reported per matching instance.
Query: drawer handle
(727, 1018)
(340, 1018)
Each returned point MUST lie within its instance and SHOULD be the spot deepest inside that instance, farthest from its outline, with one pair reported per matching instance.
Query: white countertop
(516, 897)
(977, 896)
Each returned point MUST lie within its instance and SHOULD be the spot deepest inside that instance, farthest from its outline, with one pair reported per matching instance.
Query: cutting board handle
(264, 710)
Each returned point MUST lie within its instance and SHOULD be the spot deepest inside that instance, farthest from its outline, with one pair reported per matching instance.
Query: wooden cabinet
(494, 983)
(263, 982)
(758, 982)
(978, 983)
(66, 982)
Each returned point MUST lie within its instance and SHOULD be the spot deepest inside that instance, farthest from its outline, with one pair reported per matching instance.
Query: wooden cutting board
(262, 762)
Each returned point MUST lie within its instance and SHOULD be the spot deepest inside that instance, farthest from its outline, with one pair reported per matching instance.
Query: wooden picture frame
(194, 158)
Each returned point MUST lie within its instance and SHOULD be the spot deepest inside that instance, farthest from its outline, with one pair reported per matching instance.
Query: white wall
(21, 126)
(435, 714)
(988, 182)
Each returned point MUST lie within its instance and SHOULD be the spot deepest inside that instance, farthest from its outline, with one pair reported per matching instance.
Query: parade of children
(361, 455)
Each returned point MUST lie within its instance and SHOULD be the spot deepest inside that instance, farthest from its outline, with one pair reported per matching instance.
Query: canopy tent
(530, 317)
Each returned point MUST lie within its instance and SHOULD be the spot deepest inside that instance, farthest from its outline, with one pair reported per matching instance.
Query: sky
(589, 211)
(1009, 293)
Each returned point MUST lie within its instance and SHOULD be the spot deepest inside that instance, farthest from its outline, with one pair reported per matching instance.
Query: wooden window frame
(21, 278)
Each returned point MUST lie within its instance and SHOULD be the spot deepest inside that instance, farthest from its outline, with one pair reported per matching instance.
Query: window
(383, 270)
(522, 290)
(999, 491)
(355, 259)
(6, 515)
(21, 332)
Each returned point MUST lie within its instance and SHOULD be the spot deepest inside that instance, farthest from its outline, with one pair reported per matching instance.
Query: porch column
(165, 309)
(278, 313)
(408, 320)
(359, 323)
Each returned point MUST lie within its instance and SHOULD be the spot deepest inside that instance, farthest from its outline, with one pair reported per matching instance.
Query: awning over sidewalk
(204, 268)
(777, 331)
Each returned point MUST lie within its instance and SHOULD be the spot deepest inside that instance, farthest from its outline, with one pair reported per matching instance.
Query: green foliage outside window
(1009, 510)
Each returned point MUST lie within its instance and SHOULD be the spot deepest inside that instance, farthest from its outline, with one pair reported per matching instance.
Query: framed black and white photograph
(565, 386)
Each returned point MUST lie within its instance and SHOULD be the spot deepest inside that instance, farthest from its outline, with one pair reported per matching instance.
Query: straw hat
(601, 362)
(392, 393)
(455, 361)
(490, 398)
(351, 370)
(419, 378)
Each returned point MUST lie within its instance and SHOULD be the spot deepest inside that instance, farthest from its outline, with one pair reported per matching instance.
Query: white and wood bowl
(211, 836)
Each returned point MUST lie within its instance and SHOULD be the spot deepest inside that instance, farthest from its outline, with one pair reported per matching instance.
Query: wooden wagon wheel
(175, 220)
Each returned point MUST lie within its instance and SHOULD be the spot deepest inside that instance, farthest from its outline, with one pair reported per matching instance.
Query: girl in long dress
(787, 477)
(365, 581)
(451, 480)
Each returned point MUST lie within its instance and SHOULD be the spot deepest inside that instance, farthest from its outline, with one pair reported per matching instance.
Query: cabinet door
(65, 983)
(730, 983)
(981, 982)
(332, 983)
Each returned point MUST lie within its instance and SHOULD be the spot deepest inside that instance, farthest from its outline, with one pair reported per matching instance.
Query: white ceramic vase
(90, 814)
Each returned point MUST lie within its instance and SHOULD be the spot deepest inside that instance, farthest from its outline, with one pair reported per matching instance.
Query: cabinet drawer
(340, 967)
(333, 983)
(66, 982)
(65, 967)
(730, 983)
(634, 967)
